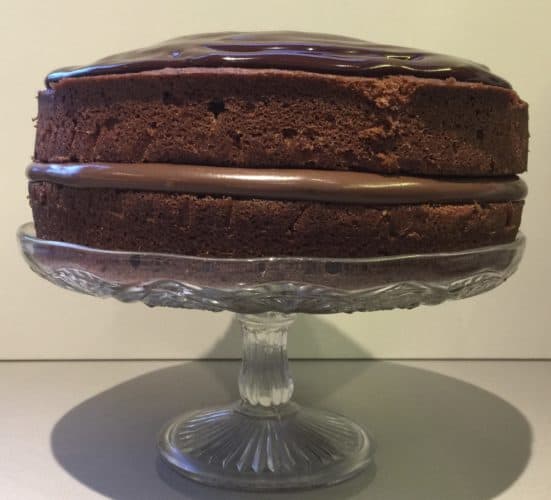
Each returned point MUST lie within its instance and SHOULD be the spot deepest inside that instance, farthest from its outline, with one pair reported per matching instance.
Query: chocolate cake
(279, 143)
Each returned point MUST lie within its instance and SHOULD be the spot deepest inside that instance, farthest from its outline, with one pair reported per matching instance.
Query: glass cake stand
(265, 441)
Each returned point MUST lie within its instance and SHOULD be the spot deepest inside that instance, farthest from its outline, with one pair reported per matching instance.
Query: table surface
(464, 430)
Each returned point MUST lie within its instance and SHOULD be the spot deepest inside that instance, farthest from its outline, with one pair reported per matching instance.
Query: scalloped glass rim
(27, 232)
(278, 284)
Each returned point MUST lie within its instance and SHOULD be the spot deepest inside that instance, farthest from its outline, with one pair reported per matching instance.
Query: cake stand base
(263, 449)
(265, 441)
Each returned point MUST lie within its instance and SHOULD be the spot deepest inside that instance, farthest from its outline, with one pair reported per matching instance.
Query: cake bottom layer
(228, 227)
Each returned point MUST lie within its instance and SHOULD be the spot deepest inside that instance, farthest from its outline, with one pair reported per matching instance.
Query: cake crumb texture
(280, 118)
(226, 227)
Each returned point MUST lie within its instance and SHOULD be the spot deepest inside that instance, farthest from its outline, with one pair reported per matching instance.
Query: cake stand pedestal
(265, 441)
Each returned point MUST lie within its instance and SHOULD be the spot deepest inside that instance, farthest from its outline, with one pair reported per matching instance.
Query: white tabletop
(449, 430)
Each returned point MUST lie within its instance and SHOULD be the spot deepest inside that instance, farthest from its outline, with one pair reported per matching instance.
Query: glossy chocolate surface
(315, 52)
(281, 184)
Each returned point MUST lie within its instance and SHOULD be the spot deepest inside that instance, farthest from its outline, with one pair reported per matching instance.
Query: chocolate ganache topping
(292, 50)
(280, 184)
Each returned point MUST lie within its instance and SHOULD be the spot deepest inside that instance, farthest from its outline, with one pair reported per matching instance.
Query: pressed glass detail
(265, 441)
(265, 379)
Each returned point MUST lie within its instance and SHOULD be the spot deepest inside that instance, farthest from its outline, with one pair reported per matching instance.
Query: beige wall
(38, 320)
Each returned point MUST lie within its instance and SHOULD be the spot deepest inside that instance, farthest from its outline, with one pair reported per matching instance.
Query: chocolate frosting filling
(281, 184)
(293, 50)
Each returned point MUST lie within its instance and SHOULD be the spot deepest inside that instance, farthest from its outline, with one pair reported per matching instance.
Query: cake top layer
(315, 52)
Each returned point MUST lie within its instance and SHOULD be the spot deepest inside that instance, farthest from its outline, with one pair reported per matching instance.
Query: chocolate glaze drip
(293, 50)
(281, 184)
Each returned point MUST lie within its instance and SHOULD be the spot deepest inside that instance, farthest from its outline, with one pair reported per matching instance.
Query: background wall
(38, 320)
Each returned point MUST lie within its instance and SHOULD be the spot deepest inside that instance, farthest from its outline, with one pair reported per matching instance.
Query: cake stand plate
(265, 441)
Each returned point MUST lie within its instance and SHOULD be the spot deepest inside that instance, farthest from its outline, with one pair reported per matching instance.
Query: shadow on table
(438, 437)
